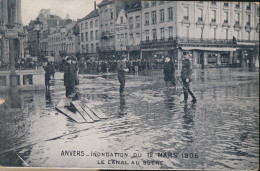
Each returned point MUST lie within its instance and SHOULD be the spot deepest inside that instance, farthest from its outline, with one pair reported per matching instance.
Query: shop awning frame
(210, 48)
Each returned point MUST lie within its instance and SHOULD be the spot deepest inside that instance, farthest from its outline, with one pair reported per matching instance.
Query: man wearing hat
(169, 72)
(69, 76)
(121, 69)
(186, 72)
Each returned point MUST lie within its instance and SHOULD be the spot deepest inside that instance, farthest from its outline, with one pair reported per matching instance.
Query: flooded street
(148, 126)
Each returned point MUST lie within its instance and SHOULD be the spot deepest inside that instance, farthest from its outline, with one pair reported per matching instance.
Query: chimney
(95, 5)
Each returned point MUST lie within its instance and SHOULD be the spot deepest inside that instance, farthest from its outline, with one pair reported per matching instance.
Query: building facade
(72, 40)
(134, 30)
(108, 12)
(10, 16)
(158, 23)
(121, 32)
(89, 34)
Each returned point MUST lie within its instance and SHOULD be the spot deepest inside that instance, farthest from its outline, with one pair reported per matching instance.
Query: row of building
(215, 33)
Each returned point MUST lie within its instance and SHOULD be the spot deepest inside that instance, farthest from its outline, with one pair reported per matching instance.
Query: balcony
(225, 24)
(185, 40)
(200, 21)
(213, 22)
(185, 20)
(159, 43)
(237, 25)
(248, 26)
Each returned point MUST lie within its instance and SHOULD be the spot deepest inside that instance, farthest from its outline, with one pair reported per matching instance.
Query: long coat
(168, 70)
(186, 70)
(70, 79)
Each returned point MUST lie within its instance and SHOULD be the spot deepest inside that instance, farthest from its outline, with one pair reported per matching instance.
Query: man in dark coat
(169, 72)
(121, 69)
(69, 76)
(48, 71)
(186, 73)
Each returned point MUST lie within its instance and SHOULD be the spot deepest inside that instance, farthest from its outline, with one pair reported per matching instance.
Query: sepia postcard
(129, 84)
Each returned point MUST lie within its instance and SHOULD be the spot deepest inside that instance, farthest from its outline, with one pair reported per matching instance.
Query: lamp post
(37, 27)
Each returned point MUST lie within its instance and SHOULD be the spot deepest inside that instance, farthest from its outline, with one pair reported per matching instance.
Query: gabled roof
(92, 14)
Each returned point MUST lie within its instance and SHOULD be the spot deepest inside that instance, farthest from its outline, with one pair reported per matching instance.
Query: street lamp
(37, 27)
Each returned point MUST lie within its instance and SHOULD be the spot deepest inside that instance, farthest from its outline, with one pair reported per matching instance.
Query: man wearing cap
(121, 69)
(169, 71)
(186, 72)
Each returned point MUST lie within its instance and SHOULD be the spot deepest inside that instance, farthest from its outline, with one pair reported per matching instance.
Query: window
(161, 2)
(237, 18)
(86, 48)
(215, 33)
(248, 7)
(146, 4)
(238, 34)
(214, 15)
(86, 25)
(154, 34)
(137, 35)
(137, 20)
(226, 17)
(131, 23)
(238, 5)
(91, 24)
(91, 35)
(248, 19)
(121, 20)
(153, 17)
(96, 23)
(200, 18)
(153, 3)
(82, 37)
(111, 15)
(248, 35)
(86, 36)
(147, 35)
(82, 49)
(81, 26)
(131, 37)
(187, 31)
(226, 34)
(111, 27)
(201, 32)
(92, 48)
(101, 28)
(186, 13)
(146, 15)
(96, 35)
(106, 27)
(97, 45)
(225, 4)
(170, 29)
(162, 33)
(162, 15)
(170, 14)
(213, 2)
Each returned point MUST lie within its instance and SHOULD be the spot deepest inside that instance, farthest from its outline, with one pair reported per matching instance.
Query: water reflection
(122, 107)
(188, 122)
(48, 99)
(169, 100)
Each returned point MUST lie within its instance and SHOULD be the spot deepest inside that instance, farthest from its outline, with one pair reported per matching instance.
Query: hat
(67, 58)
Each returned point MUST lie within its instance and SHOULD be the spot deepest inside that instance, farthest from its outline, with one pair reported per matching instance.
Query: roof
(92, 14)
(133, 6)
(104, 2)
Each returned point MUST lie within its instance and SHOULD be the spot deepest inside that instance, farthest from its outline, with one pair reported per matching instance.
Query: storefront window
(212, 58)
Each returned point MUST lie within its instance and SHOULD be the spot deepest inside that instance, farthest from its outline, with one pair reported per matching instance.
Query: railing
(207, 41)
(165, 40)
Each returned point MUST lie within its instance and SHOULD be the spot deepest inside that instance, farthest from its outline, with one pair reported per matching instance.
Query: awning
(209, 48)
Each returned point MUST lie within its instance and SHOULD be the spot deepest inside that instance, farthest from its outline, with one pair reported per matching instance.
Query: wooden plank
(61, 103)
(89, 112)
(76, 117)
(97, 112)
(82, 112)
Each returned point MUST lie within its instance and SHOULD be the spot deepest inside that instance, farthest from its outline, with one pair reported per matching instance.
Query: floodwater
(148, 128)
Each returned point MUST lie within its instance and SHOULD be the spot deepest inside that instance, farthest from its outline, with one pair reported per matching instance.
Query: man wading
(169, 72)
(186, 72)
(121, 69)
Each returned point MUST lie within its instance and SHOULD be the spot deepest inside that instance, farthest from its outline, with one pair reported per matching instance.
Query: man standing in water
(186, 72)
(169, 72)
(121, 69)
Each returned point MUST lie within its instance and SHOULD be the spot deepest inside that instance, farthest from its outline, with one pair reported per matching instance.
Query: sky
(75, 8)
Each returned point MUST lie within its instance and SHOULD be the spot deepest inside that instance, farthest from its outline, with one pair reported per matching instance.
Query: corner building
(215, 33)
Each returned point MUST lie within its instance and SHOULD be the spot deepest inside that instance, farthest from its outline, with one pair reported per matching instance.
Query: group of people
(92, 66)
(71, 69)
(169, 75)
